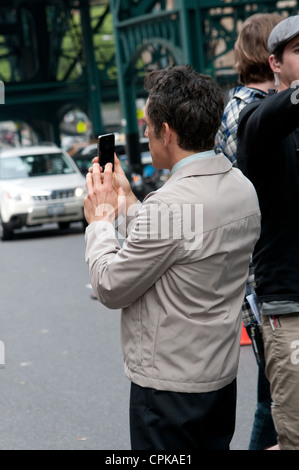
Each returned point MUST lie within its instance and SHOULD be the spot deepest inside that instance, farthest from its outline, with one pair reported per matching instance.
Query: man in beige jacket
(180, 275)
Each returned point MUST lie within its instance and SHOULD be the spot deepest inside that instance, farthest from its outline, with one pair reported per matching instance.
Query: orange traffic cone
(245, 340)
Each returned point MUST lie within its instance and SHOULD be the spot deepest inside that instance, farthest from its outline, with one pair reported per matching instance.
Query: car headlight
(79, 192)
(24, 197)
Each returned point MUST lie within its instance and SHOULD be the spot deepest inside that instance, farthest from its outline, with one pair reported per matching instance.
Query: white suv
(39, 185)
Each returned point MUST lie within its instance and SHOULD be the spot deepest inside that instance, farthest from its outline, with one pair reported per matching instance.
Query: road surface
(63, 385)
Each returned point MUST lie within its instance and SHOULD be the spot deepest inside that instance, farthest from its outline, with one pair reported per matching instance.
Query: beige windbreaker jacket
(180, 277)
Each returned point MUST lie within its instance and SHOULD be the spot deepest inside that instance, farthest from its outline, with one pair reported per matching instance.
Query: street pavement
(63, 385)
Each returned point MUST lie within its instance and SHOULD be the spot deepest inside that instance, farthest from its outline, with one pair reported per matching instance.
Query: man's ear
(166, 133)
(274, 63)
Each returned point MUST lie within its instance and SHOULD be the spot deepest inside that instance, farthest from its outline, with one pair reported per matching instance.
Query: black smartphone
(106, 149)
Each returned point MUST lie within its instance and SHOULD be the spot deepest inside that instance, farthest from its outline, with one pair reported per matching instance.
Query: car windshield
(30, 166)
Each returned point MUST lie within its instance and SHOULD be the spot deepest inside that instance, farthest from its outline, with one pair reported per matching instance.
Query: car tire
(7, 234)
(64, 225)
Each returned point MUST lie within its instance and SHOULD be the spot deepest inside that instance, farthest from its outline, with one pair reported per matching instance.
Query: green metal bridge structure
(57, 55)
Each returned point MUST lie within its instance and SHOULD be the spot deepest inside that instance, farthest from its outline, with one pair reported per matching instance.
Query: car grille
(54, 195)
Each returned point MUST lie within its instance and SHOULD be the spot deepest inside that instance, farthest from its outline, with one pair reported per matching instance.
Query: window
(31, 166)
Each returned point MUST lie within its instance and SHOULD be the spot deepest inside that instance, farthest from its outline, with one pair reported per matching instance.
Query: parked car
(83, 160)
(142, 184)
(39, 185)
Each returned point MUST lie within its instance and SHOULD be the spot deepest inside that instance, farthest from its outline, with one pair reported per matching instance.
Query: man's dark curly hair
(191, 103)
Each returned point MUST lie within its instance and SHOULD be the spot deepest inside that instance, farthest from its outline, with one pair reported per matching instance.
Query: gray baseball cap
(283, 32)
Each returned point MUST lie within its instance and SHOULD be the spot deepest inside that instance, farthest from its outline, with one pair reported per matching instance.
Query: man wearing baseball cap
(283, 47)
(268, 154)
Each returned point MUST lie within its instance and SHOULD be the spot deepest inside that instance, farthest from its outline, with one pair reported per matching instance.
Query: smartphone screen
(106, 149)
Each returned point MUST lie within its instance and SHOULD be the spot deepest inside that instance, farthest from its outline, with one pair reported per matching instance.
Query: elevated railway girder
(151, 34)
(56, 54)
(49, 64)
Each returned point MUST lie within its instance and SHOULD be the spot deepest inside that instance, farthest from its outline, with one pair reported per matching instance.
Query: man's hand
(107, 193)
(102, 200)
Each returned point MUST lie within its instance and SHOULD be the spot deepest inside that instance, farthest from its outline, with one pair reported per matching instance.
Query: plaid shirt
(248, 316)
(227, 135)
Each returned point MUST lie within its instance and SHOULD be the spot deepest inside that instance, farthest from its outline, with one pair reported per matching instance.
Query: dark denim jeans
(263, 433)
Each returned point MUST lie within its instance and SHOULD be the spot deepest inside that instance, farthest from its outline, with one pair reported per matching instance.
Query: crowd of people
(181, 275)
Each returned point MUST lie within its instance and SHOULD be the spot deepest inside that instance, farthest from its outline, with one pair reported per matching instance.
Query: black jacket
(268, 154)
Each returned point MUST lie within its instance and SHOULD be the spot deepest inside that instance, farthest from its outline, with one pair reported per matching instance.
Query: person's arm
(273, 119)
(262, 127)
(119, 276)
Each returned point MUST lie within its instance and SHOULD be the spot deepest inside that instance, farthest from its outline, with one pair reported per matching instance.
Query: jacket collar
(207, 166)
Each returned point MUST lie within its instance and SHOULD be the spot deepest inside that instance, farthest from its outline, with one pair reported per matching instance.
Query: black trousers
(182, 421)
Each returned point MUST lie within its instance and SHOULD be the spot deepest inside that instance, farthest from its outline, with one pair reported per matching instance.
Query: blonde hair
(251, 48)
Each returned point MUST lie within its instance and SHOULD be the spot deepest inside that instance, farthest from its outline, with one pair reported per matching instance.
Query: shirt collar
(191, 159)
(245, 93)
